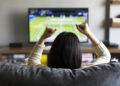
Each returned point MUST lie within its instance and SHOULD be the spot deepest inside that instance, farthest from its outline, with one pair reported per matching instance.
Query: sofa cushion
(99, 75)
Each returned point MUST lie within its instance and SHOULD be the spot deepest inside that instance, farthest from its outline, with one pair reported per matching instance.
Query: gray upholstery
(18, 75)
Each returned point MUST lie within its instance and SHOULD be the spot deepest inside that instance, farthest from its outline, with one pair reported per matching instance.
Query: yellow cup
(44, 60)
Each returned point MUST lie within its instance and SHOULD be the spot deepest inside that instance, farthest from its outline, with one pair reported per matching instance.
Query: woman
(65, 51)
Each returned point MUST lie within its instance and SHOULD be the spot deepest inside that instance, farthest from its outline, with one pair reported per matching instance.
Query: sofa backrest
(19, 75)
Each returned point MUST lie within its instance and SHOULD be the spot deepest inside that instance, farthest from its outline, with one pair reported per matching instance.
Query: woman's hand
(48, 32)
(83, 28)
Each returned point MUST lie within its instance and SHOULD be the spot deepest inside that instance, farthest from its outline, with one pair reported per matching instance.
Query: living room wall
(13, 17)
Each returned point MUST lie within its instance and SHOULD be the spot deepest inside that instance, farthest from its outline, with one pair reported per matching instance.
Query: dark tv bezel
(51, 8)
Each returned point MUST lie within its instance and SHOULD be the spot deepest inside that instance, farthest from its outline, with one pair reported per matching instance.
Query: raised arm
(36, 53)
(103, 55)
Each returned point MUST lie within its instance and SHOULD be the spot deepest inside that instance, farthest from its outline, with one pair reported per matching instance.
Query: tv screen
(63, 19)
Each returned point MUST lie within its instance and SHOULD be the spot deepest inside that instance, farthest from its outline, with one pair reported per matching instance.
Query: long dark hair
(65, 52)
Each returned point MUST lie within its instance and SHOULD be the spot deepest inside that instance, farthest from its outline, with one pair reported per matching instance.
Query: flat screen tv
(63, 19)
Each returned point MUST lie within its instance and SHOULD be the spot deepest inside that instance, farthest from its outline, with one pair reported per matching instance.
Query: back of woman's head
(65, 52)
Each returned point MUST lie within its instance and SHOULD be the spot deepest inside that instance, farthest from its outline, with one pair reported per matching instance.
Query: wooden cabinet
(9, 53)
(27, 50)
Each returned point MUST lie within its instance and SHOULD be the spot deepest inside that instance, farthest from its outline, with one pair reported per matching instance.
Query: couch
(20, 75)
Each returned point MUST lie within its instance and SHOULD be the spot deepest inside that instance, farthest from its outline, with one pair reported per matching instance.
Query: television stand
(27, 50)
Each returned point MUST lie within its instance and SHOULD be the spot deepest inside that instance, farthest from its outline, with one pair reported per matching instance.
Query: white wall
(13, 16)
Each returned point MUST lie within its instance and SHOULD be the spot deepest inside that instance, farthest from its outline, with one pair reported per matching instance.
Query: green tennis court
(67, 24)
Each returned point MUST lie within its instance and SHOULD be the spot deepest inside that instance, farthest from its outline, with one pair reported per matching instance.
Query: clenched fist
(83, 28)
(48, 32)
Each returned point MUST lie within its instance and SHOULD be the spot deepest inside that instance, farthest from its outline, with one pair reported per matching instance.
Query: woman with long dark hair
(66, 51)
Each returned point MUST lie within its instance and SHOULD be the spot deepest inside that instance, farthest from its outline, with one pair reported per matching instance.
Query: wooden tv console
(27, 50)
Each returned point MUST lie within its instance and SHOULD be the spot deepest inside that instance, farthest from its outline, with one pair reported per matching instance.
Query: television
(63, 19)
